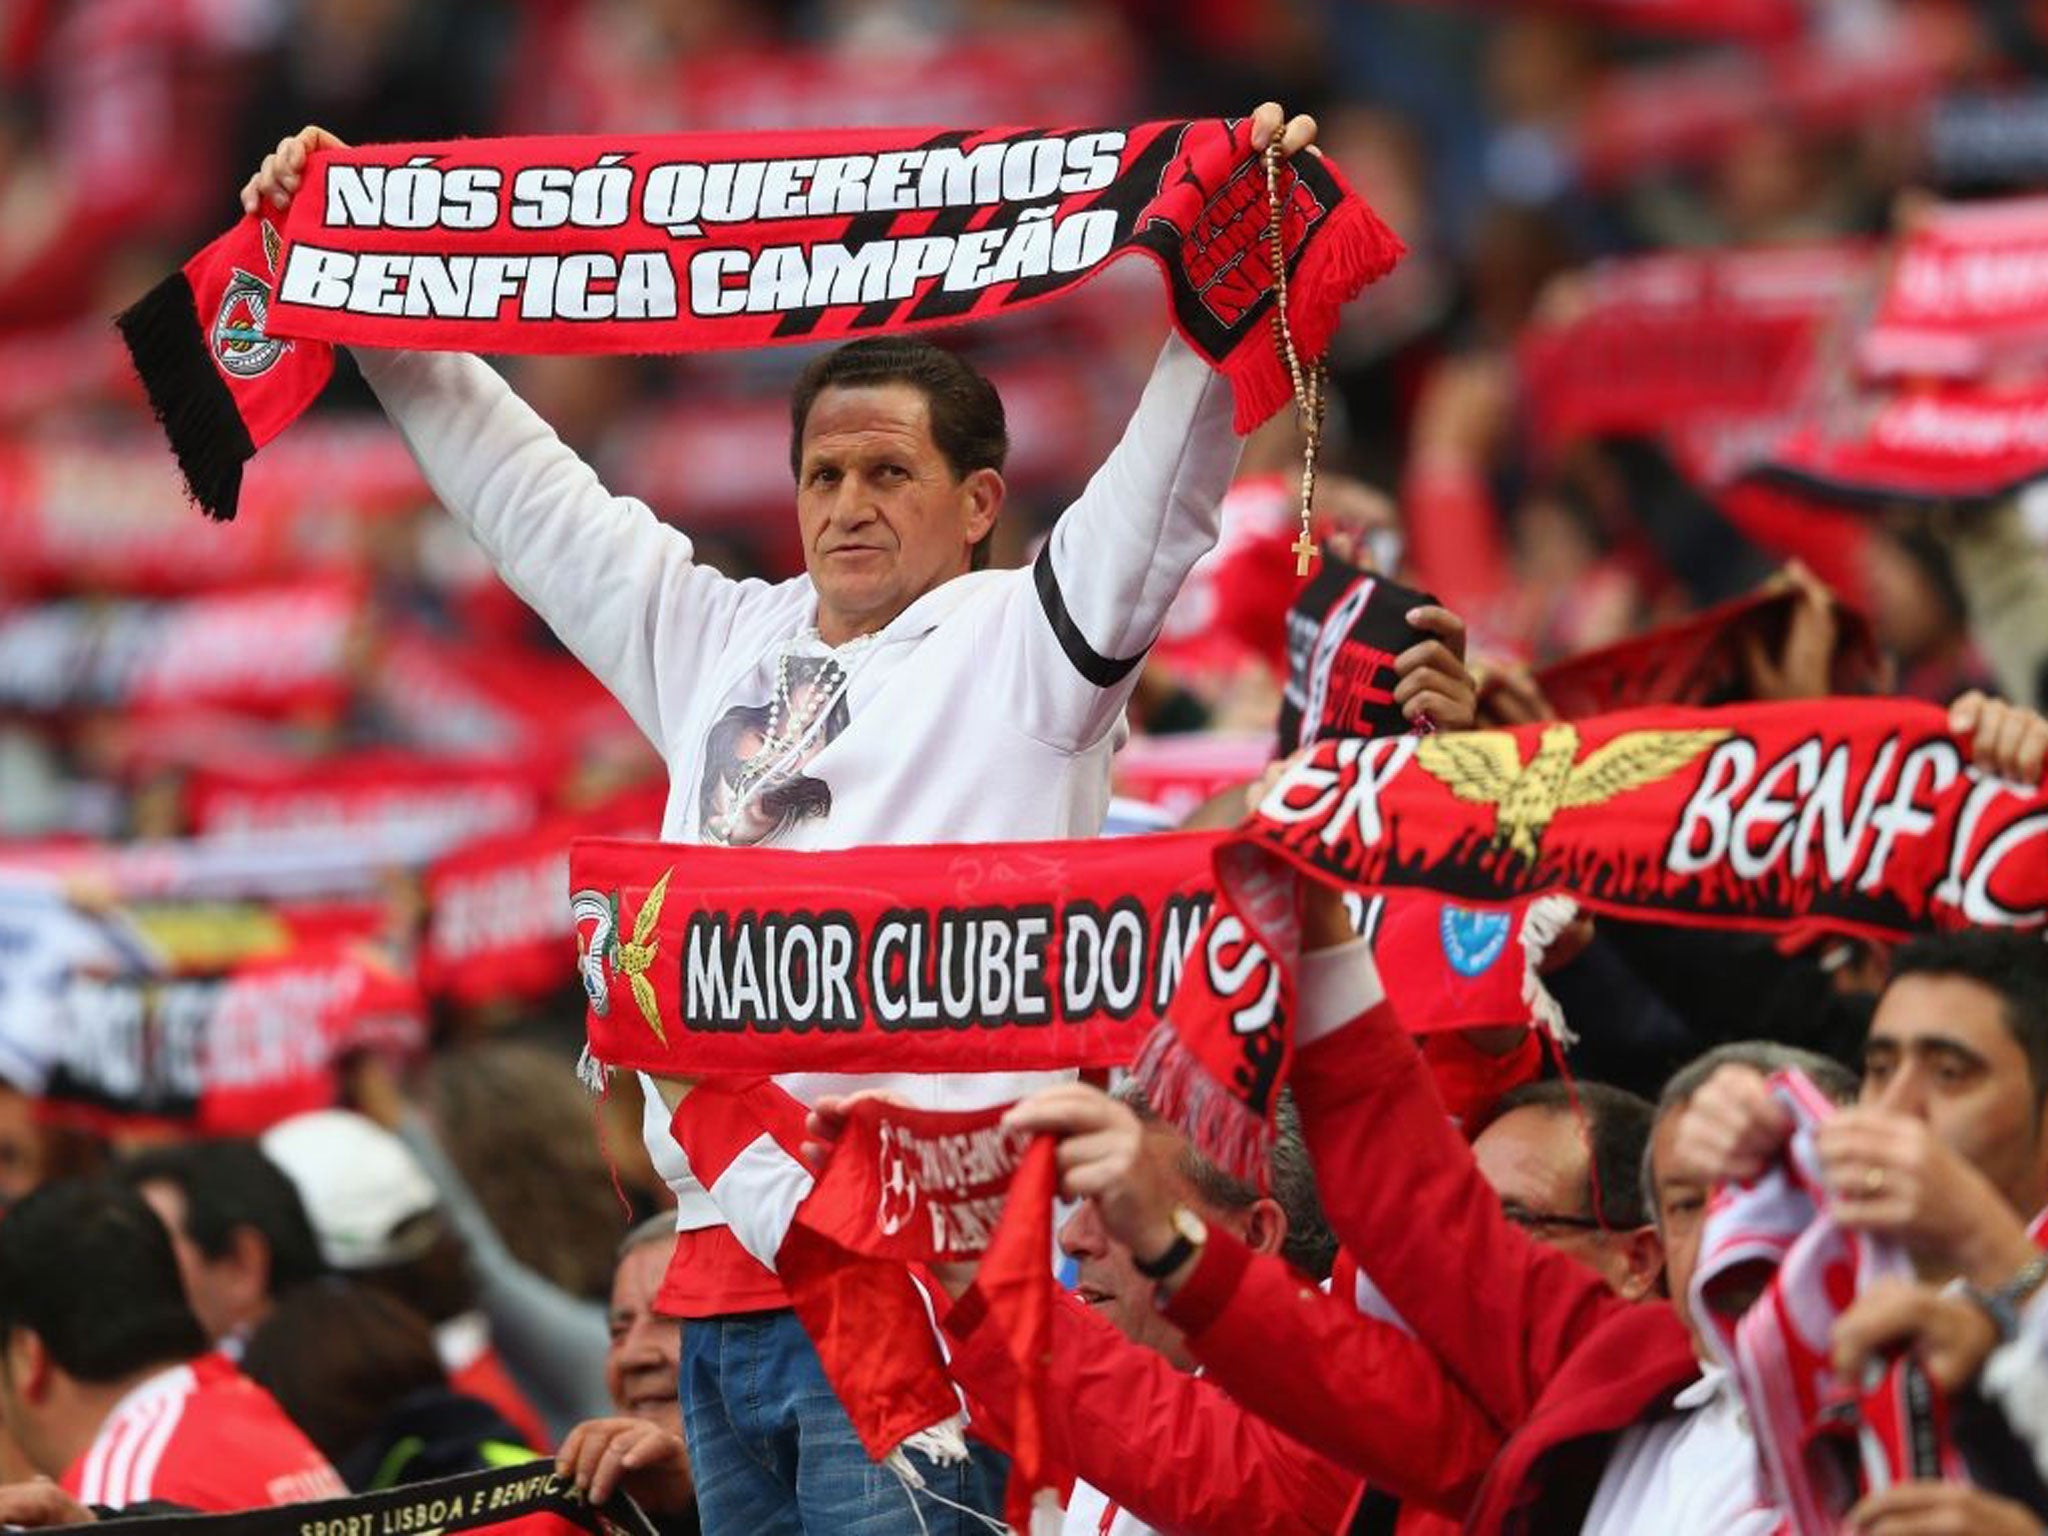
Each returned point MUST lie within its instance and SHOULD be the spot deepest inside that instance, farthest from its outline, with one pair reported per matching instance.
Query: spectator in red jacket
(1598, 1398)
(1196, 1462)
(106, 1381)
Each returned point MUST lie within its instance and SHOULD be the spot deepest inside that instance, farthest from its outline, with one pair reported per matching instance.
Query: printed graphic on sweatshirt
(754, 758)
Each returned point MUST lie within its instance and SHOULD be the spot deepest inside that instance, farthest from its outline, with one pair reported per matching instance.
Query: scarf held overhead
(1866, 817)
(738, 962)
(696, 242)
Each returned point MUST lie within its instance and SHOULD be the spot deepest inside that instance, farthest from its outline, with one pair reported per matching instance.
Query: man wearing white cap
(378, 1218)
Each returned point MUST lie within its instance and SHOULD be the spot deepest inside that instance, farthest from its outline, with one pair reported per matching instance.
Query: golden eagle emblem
(1485, 768)
(631, 957)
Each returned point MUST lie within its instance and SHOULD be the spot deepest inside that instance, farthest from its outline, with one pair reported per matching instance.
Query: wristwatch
(2002, 1303)
(1189, 1234)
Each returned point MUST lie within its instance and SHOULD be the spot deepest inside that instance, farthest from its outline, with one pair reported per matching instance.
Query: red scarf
(1968, 443)
(910, 1186)
(1698, 659)
(992, 957)
(1862, 816)
(497, 918)
(226, 1054)
(529, 1499)
(103, 515)
(1822, 1441)
(416, 804)
(265, 650)
(703, 241)
(1968, 293)
(1671, 338)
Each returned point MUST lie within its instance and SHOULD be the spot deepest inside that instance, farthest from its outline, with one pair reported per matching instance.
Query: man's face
(216, 1300)
(1110, 1283)
(883, 517)
(1535, 1159)
(641, 1366)
(21, 1146)
(1939, 1051)
(1681, 1212)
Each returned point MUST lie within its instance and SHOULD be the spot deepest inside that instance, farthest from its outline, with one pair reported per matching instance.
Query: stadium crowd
(302, 1196)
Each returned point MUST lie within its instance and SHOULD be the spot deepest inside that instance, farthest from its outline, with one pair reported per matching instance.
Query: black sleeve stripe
(1103, 671)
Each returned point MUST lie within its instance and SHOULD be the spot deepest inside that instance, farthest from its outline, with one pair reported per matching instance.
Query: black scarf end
(187, 395)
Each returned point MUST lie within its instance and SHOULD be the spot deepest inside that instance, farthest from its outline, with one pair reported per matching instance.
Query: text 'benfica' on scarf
(697, 242)
(1864, 817)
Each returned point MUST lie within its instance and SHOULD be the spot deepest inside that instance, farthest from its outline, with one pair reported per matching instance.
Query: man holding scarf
(893, 694)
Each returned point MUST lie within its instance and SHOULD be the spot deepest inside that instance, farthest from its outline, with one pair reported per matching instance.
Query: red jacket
(1354, 1387)
(1534, 1338)
(1168, 1446)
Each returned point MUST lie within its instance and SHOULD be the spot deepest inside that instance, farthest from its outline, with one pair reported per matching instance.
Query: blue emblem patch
(1473, 940)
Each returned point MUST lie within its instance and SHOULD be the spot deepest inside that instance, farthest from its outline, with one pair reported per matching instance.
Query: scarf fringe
(1220, 1124)
(1548, 916)
(944, 1442)
(1352, 248)
(593, 1074)
(187, 396)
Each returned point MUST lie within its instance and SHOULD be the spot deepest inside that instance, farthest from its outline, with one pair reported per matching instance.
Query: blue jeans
(773, 1453)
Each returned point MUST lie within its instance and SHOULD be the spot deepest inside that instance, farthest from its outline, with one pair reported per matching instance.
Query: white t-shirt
(987, 710)
(1691, 1472)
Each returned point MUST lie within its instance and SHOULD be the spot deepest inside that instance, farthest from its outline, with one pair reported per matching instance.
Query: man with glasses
(1566, 1161)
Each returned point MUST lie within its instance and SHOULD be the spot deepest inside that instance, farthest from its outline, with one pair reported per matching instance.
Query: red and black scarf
(1865, 816)
(696, 242)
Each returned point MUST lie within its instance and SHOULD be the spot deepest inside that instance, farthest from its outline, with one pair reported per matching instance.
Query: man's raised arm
(1116, 559)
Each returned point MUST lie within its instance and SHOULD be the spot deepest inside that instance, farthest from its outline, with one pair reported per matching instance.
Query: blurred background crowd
(321, 763)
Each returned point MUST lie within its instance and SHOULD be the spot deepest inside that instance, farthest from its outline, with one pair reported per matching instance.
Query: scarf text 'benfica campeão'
(694, 242)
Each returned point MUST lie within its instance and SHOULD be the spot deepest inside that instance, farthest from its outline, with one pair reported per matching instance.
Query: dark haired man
(1946, 1148)
(236, 1224)
(1604, 1420)
(1566, 1161)
(106, 1382)
(892, 694)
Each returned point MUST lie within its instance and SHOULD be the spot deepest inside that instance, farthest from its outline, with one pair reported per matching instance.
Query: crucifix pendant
(1304, 551)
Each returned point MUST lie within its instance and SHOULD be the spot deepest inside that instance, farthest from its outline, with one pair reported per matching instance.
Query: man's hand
(1804, 665)
(1510, 695)
(602, 1456)
(41, 1502)
(1432, 677)
(1104, 1156)
(1949, 1336)
(826, 1122)
(1464, 410)
(1299, 133)
(277, 180)
(1731, 1128)
(1890, 1173)
(1940, 1509)
(2005, 741)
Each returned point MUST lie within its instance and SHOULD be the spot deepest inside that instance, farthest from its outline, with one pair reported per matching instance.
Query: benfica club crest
(240, 344)
(604, 951)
